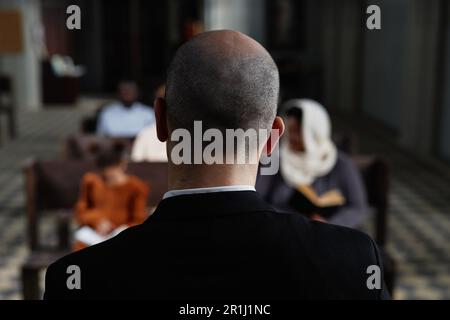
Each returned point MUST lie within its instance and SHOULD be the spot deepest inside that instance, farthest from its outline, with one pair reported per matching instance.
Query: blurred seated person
(315, 178)
(110, 200)
(146, 146)
(126, 117)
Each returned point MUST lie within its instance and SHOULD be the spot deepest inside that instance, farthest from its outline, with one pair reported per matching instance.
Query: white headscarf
(319, 158)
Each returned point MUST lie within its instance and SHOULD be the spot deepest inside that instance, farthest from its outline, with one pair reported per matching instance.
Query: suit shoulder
(340, 257)
(323, 230)
(95, 264)
(340, 231)
(335, 236)
(100, 253)
(328, 240)
(345, 248)
(57, 275)
(80, 259)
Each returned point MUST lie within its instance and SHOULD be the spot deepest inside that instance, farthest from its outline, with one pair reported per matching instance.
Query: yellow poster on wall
(11, 31)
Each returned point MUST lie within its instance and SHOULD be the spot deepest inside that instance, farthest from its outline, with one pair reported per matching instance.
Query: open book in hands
(305, 200)
(89, 236)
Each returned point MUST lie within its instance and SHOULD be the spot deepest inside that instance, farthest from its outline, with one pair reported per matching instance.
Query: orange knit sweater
(123, 204)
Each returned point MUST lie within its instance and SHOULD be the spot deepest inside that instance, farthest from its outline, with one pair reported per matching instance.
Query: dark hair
(128, 82)
(296, 113)
(223, 88)
(111, 156)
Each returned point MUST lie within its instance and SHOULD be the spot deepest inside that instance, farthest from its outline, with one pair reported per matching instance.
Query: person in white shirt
(126, 117)
(147, 147)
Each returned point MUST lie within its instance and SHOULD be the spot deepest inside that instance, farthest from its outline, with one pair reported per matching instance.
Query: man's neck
(208, 176)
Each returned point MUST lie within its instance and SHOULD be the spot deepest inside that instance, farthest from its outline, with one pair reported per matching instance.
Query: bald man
(212, 236)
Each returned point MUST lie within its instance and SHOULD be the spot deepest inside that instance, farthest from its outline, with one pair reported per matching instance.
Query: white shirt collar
(179, 192)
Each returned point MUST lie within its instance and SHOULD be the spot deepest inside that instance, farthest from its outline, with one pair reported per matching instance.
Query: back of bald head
(225, 79)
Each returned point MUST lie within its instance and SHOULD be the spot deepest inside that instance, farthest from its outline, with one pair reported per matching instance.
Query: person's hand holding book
(331, 198)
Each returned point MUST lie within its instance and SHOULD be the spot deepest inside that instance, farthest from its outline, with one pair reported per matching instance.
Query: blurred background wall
(246, 16)
(396, 78)
(24, 66)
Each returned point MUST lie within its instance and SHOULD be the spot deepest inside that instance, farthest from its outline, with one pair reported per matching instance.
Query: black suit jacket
(222, 245)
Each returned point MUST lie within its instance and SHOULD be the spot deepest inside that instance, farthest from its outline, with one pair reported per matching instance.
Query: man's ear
(161, 119)
(278, 125)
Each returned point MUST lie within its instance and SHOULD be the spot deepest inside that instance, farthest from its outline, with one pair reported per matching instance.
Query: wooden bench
(87, 146)
(35, 262)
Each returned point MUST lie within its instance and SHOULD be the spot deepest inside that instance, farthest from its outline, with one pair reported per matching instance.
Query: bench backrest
(54, 185)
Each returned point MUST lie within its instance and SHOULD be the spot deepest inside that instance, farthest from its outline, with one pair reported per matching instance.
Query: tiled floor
(419, 213)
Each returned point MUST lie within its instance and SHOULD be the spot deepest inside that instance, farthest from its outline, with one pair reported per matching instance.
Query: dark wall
(129, 40)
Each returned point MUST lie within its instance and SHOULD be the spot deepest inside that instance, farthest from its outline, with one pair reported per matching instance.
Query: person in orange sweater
(110, 199)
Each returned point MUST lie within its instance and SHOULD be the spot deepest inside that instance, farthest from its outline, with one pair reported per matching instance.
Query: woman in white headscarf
(309, 151)
(312, 166)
